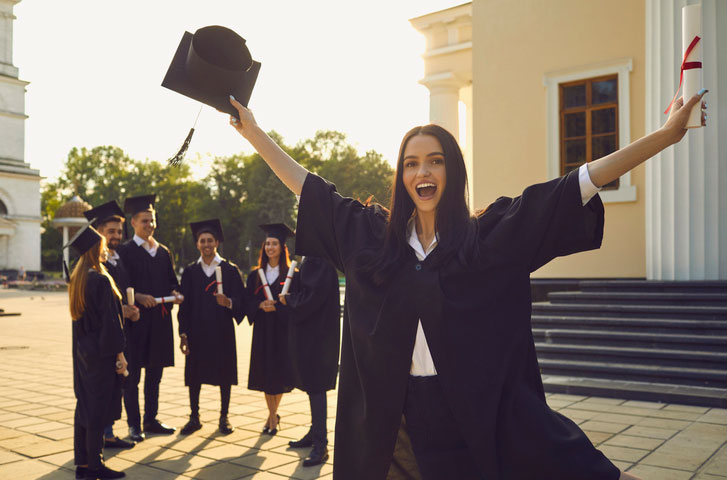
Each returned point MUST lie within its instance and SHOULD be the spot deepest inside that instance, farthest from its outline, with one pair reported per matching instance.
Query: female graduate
(270, 365)
(437, 321)
(98, 358)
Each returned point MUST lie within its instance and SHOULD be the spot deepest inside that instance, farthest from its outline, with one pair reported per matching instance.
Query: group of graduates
(121, 300)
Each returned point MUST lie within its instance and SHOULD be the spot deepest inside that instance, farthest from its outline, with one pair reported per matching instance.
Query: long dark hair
(455, 227)
(262, 261)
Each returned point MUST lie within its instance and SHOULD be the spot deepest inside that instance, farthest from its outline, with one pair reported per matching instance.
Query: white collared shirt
(113, 258)
(422, 364)
(152, 249)
(209, 270)
(272, 273)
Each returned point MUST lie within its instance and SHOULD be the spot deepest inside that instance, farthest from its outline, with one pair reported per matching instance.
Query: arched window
(3, 208)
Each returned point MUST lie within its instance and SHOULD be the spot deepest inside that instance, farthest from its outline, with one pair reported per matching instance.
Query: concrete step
(702, 377)
(640, 298)
(644, 391)
(636, 285)
(684, 342)
(632, 311)
(633, 355)
(625, 324)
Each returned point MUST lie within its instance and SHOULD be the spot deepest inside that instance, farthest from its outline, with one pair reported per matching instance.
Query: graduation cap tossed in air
(278, 230)
(209, 66)
(82, 241)
(212, 226)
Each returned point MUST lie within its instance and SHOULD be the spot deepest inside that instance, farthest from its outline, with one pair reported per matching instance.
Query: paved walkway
(654, 441)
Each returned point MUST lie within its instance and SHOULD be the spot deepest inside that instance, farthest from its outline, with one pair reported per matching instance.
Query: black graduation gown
(270, 365)
(315, 327)
(150, 340)
(476, 319)
(120, 275)
(97, 339)
(209, 327)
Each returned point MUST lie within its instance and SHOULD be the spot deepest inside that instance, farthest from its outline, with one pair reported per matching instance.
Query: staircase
(636, 339)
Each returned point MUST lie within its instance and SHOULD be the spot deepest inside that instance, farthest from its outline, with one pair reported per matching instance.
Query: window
(588, 122)
(3, 208)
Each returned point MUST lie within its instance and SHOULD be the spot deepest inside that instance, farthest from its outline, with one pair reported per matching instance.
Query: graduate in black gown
(98, 357)
(206, 323)
(315, 336)
(108, 219)
(437, 318)
(151, 339)
(270, 367)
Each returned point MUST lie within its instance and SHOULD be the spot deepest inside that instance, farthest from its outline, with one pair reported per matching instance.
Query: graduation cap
(103, 212)
(142, 203)
(212, 226)
(278, 230)
(209, 66)
(82, 242)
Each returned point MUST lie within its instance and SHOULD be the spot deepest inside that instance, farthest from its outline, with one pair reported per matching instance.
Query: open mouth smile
(426, 190)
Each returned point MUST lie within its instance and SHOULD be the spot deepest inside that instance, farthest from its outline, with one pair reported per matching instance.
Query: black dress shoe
(304, 442)
(103, 472)
(225, 427)
(274, 431)
(318, 455)
(116, 442)
(136, 435)
(80, 473)
(155, 426)
(192, 425)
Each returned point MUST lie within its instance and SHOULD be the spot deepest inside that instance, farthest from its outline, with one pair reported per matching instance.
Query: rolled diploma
(692, 27)
(289, 277)
(218, 277)
(266, 287)
(168, 299)
(130, 295)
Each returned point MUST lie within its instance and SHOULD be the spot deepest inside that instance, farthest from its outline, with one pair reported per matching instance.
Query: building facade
(19, 183)
(546, 86)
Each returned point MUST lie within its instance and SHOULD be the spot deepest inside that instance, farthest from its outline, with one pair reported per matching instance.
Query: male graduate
(108, 219)
(150, 340)
(314, 335)
(206, 328)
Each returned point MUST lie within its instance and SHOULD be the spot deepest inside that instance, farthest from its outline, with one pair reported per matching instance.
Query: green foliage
(240, 190)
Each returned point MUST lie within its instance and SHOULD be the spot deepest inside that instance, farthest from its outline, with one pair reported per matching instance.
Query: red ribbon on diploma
(213, 282)
(164, 308)
(685, 66)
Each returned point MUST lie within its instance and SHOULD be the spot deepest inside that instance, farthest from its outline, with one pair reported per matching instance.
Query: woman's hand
(267, 305)
(282, 299)
(675, 125)
(184, 344)
(247, 122)
(121, 363)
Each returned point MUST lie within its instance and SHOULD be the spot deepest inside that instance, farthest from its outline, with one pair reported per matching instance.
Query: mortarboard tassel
(176, 160)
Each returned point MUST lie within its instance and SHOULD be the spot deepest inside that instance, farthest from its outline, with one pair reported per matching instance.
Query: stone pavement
(654, 441)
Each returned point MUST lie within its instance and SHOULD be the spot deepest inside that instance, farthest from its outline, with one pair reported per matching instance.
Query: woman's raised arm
(612, 166)
(290, 172)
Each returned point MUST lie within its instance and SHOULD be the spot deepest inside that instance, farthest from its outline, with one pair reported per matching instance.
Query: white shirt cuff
(588, 189)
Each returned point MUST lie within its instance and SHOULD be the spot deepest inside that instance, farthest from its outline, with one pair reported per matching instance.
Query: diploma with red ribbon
(264, 284)
(690, 75)
(289, 277)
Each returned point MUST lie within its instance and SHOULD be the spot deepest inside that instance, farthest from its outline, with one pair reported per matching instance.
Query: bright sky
(95, 69)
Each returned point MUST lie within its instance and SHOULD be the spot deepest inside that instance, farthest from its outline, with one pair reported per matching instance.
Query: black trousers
(152, 378)
(319, 416)
(225, 391)
(88, 446)
(438, 445)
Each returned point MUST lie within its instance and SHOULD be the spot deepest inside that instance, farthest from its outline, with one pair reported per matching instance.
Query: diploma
(167, 299)
(130, 295)
(264, 280)
(218, 277)
(289, 277)
(692, 66)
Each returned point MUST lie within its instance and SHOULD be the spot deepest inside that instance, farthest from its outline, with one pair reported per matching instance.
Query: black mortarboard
(84, 239)
(103, 211)
(212, 226)
(278, 230)
(142, 203)
(212, 64)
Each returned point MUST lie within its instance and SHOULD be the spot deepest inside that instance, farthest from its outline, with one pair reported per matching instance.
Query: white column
(65, 250)
(444, 100)
(686, 185)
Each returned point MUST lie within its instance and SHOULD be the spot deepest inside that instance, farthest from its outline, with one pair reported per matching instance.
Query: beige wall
(515, 44)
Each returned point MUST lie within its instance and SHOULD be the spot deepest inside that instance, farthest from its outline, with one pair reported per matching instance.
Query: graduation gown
(150, 340)
(315, 326)
(210, 330)
(270, 365)
(120, 275)
(476, 319)
(97, 339)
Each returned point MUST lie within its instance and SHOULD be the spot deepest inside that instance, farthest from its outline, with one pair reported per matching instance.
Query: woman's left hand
(121, 363)
(676, 123)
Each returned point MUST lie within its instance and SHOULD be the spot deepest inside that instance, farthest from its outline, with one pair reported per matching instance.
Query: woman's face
(272, 247)
(424, 174)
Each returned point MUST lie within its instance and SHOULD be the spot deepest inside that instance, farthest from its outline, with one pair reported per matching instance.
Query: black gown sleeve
(171, 276)
(105, 309)
(313, 288)
(335, 227)
(185, 308)
(548, 220)
(237, 293)
(252, 305)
